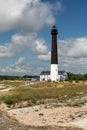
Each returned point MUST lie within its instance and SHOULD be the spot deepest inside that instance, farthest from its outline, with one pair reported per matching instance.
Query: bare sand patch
(82, 123)
(50, 116)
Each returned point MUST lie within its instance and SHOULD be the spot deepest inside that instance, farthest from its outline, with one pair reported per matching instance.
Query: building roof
(48, 72)
(45, 73)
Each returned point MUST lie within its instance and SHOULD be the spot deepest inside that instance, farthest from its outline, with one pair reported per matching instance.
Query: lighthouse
(54, 55)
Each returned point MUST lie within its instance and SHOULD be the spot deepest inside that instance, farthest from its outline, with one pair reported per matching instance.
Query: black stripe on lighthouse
(54, 55)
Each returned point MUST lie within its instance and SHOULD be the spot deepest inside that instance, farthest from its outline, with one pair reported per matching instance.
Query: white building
(45, 75)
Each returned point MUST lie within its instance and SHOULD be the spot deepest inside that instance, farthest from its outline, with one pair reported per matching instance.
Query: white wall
(44, 77)
(48, 77)
(54, 72)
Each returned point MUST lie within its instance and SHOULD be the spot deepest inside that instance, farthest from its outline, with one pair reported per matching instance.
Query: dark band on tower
(54, 57)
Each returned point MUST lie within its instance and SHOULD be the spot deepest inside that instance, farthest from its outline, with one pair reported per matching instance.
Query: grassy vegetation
(45, 91)
(12, 83)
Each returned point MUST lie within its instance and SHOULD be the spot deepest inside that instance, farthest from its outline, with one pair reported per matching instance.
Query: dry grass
(41, 92)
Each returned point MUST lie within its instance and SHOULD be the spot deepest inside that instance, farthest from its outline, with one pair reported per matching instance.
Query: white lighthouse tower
(54, 55)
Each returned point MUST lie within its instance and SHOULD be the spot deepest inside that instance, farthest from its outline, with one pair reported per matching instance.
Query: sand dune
(42, 115)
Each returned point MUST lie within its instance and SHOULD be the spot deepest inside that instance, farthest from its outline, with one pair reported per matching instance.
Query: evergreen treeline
(30, 77)
(76, 77)
(7, 77)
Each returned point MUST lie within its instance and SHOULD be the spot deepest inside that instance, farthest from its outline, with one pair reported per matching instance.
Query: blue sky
(25, 39)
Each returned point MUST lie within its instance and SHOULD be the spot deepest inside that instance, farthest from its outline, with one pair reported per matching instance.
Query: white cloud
(20, 67)
(45, 57)
(10, 13)
(30, 15)
(40, 46)
(20, 61)
(73, 55)
(58, 6)
(12, 70)
(73, 47)
(79, 48)
(20, 42)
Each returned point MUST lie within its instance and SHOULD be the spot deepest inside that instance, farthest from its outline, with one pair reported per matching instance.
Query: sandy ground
(42, 115)
(82, 123)
(4, 90)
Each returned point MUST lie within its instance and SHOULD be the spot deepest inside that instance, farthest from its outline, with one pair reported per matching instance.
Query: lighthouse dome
(54, 30)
